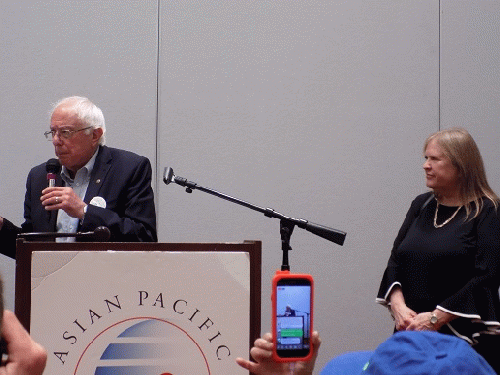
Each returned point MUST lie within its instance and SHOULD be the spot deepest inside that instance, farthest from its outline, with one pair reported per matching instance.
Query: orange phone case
(287, 275)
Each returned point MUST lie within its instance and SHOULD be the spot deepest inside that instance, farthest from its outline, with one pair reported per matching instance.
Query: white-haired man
(98, 185)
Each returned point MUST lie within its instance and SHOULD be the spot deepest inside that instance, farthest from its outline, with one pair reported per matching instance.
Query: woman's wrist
(439, 318)
(396, 296)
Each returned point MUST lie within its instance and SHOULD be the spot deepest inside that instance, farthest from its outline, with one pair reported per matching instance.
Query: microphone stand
(287, 224)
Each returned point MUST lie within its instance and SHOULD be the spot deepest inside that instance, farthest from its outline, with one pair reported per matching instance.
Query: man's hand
(63, 198)
(265, 365)
(24, 356)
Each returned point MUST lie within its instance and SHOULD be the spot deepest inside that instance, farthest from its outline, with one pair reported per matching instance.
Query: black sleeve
(8, 235)
(9, 232)
(390, 277)
(479, 297)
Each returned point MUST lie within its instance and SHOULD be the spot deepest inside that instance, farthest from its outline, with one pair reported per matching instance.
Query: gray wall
(317, 109)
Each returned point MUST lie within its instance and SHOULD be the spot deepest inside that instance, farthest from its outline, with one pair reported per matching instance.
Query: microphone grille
(53, 166)
(102, 234)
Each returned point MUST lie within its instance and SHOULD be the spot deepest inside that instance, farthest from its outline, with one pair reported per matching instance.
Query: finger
(52, 203)
(48, 190)
(11, 327)
(252, 367)
(261, 355)
(268, 337)
(48, 198)
(247, 365)
(20, 346)
(402, 325)
(316, 340)
(53, 189)
(407, 322)
(316, 343)
(263, 344)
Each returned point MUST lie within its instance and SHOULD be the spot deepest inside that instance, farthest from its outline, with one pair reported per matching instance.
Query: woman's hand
(422, 322)
(265, 365)
(402, 314)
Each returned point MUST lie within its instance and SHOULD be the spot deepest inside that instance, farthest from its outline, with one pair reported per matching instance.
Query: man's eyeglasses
(63, 133)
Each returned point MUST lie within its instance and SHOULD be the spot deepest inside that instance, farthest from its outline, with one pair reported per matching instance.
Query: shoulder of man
(40, 168)
(119, 154)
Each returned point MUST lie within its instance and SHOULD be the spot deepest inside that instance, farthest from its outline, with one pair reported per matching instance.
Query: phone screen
(293, 318)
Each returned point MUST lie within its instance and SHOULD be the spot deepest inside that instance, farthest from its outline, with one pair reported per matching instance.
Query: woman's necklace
(447, 220)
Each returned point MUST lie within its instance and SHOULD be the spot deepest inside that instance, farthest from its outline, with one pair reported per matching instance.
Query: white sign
(141, 313)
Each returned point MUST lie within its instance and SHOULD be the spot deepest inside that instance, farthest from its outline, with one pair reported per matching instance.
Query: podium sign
(146, 311)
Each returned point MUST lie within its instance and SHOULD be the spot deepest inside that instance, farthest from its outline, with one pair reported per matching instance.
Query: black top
(454, 268)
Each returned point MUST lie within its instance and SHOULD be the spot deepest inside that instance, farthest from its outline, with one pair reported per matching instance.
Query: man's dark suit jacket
(121, 177)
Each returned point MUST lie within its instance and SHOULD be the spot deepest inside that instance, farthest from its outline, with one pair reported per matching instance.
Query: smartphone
(292, 315)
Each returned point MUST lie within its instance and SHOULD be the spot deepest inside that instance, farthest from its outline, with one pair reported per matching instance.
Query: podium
(140, 308)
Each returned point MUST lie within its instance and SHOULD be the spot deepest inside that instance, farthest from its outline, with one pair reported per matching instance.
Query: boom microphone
(100, 234)
(53, 167)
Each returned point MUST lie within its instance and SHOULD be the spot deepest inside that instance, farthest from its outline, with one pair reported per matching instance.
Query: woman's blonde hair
(459, 146)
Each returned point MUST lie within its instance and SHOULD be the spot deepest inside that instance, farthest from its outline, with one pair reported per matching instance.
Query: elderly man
(98, 185)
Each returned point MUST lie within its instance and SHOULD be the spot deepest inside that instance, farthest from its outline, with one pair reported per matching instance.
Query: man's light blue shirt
(66, 223)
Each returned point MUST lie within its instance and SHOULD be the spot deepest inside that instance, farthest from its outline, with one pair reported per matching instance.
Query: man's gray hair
(86, 111)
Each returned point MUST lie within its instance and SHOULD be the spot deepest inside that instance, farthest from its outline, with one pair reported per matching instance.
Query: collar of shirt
(79, 184)
(86, 169)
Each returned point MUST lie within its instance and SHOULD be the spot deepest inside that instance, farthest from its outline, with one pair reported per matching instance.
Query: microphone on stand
(53, 168)
(100, 234)
(327, 233)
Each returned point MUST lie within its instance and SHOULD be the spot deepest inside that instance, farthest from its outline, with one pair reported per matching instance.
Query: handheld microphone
(53, 167)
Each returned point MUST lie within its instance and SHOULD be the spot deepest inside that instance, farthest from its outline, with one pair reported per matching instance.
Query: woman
(443, 273)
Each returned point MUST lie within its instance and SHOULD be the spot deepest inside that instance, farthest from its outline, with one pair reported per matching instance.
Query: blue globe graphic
(143, 346)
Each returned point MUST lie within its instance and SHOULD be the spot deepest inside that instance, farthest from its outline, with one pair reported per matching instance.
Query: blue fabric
(347, 364)
(413, 353)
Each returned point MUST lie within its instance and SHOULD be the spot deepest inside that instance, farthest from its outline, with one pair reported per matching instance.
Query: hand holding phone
(292, 315)
(25, 356)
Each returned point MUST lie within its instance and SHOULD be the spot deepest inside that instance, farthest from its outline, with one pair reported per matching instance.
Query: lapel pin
(98, 181)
